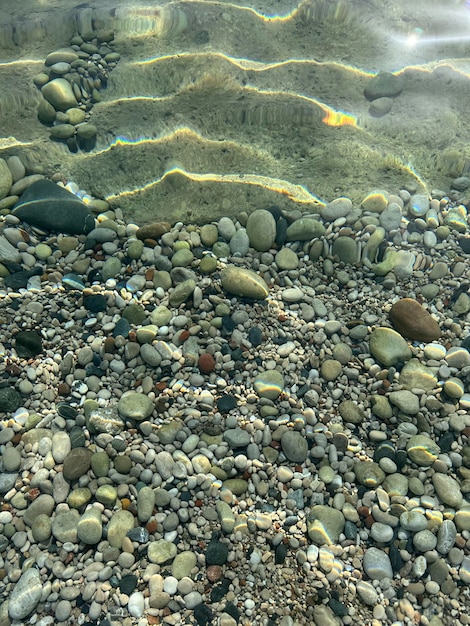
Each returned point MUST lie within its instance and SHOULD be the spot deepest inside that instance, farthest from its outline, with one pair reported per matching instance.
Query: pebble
(26, 595)
(377, 564)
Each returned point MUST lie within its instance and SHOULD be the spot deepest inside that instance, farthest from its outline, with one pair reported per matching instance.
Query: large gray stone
(60, 94)
(261, 229)
(324, 525)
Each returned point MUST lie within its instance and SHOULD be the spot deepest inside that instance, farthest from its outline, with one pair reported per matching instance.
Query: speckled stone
(25, 595)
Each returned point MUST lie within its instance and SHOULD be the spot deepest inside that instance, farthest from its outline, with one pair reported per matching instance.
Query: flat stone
(182, 292)
(448, 490)
(44, 504)
(377, 564)
(304, 229)
(226, 516)
(25, 595)
(11, 459)
(65, 524)
(351, 412)
(119, 525)
(145, 503)
(295, 446)
(324, 525)
(237, 486)
(136, 406)
(416, 375)
(50, 207)
(388, 346)
(76, 463)
(10, 400)
(183, 564)
(243, 283)
(41, 528)
(405, 400)
(412, 320)
(446, 536)
(339, 207)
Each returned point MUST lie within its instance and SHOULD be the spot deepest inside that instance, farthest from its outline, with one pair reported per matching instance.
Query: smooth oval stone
(304, 229)
(405, 400)
(454, 387)
(377, 564)
(41, 528)
(25, 595)
(369, 474)
(295, 446)
(89, 527)
(134, 405)
(422, 450)
(376, 201)
(243, 283)
(339, 207)
(111, 268)
(286, 259)
(46, 112)
(261, 230)
(60, 94)
(419, 205)
(145, 503)
(413, 521)
(76, 463)
(53, 208)
(345, 248)
(324, 525)
(412, 321)
(269, 384)
(446, 536)
(448, 490)
(63, 55)
(383, 85)
(183, 564)
(388, 347)
(62, 131)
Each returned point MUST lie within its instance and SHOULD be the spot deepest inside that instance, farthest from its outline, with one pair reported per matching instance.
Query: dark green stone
(28, 344)
(10, 400)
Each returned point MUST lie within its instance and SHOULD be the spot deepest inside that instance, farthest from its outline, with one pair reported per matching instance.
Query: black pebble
(385, 450)
(395, 558)
(220, 590)
(77, 437)
(122, 328)
(445, 442)
(226, 403)
(95, 304)
(228, 325)
(280, 553)
(28, 343)
(232, 610)
(281, 231)
(216, 552)
(128, 583)
(350, 530)
(255, 336)
(337, 607)
(401, 458)
(203, 614)
(464, 243)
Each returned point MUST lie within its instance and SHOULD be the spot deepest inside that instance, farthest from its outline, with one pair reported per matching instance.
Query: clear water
(217, 107)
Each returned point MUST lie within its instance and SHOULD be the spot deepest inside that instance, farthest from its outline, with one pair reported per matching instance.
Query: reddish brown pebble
(206, 363)
(149, 274)
(412, 321)
(109, 347)
(368, 521)
(153, 231)
(63, 389)
(363, 511)
(214, 573)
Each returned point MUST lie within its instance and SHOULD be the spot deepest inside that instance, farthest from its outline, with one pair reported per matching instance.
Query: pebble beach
(256, 419)
(252, 421)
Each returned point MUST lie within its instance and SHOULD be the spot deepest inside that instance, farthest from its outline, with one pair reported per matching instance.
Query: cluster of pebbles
(71, 83)
(254, 421)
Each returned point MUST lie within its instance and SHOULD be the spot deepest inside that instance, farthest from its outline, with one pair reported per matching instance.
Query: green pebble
(208, 264)
(182, 565)
(106, 494)
(135, 249)
(182, 292)
(41, 528)
(237, 486)
(43, 251)
(111, 268)
(122, 464)
(331, 369)
(209, 234)
(79, 498)
(100, 464)
(182, 258)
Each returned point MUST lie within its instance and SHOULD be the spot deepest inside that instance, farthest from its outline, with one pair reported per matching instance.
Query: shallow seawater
(217, 107)
(234, 312)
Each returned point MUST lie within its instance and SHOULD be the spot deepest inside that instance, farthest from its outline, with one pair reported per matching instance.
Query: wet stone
(369, 474)
(388, 347)
(269, 384)
(25, 595)
(422, 450)
(324, 525)
(76, 463)
(448, 490)
(295, 446)
(377, 564)
(411, 320)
